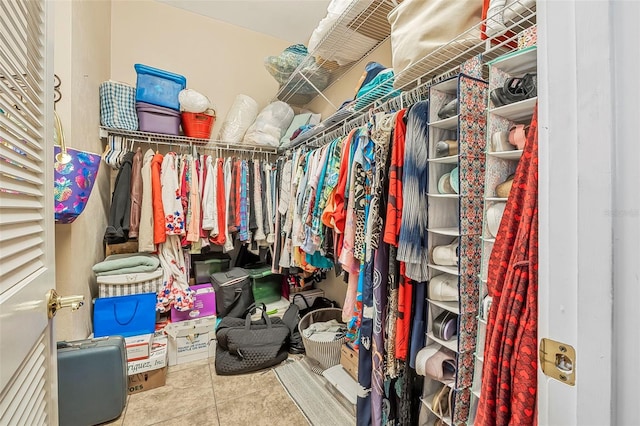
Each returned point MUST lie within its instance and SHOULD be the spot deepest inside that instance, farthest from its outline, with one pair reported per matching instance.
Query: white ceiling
(290, 20)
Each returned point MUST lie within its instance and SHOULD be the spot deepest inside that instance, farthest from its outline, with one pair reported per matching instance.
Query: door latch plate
(558, 361)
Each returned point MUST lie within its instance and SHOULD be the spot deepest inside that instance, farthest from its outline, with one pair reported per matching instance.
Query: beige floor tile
(267, 406)
(237, 387)
(188, 390)
(206, 417)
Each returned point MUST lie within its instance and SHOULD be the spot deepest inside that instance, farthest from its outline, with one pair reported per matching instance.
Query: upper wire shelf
(361, 28)
(433, 68)
(185, 141)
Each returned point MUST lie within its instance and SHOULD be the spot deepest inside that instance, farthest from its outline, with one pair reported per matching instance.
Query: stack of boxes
(146, 362)
(157, 103)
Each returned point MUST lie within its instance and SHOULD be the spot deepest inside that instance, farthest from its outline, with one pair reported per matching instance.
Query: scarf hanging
(412, 243)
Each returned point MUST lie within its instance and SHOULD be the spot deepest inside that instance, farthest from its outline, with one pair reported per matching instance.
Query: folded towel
(118, 264)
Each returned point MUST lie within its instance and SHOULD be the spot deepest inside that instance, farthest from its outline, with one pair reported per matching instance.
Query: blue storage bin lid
(145, 69)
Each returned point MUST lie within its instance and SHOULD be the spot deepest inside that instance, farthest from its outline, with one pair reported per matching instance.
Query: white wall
(218, 59)
(82, 61)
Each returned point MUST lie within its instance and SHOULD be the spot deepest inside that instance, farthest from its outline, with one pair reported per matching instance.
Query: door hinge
(558, 361)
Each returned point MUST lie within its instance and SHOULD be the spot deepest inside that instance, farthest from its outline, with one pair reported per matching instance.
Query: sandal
(515, 89)
(518, 135)
(441, 402)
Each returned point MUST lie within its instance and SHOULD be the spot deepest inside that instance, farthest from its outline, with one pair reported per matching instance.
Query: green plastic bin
(267, 286)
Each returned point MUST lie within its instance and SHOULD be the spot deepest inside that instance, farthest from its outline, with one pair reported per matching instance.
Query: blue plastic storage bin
(158, 87)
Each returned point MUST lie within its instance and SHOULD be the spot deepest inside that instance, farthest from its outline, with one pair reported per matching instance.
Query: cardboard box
(146, 381)
(138, 347)
(157, 358)
(191, 340)
(349, 360)
(204, 304)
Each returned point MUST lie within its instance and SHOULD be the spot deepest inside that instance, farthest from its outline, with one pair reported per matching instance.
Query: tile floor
(195, 395)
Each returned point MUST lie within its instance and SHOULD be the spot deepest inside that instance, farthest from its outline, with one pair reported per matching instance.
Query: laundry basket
(323, 354)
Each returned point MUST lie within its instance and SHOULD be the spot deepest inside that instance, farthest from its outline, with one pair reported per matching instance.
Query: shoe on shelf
(515, 89)
(444, 288)
(444, 184)
(518, 135)
(503, 189)
(449, 109)
(445, 326)
(446, 255)
(441, 403)
(494, 216)
(446, 148)
(500, 142)
(453, 179)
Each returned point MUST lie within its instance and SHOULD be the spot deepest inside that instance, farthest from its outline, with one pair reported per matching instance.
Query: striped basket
(323, 354)
(126, 284)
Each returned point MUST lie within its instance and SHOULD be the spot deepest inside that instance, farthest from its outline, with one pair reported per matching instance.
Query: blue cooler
(159, 87)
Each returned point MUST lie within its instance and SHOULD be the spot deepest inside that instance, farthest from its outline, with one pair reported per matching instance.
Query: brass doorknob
(56, 302)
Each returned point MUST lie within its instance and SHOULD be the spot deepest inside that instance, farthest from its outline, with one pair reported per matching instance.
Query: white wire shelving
(178, 141)
(436, 66)
(361, 28)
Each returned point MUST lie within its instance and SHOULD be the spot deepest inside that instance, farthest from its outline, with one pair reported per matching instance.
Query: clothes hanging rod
(183, 141)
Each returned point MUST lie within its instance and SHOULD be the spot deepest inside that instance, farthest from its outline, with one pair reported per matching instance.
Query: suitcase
(92, 380)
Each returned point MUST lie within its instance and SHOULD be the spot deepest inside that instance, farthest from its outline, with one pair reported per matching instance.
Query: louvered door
(27, 367)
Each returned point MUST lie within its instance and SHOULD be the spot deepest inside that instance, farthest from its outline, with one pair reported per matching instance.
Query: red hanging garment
(509, 376)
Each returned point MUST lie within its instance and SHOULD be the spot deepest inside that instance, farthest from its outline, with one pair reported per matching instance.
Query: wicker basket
(325, 354)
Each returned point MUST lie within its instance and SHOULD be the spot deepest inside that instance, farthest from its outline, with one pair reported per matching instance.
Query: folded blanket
(118, 264)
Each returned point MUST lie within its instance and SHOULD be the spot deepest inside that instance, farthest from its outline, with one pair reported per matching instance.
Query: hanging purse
(75, 173)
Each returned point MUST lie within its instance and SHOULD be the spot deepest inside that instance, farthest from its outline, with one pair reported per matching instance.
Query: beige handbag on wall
(418, 27)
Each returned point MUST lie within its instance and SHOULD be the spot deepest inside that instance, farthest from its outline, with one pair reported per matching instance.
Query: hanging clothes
(509, 374)
(118, 227)
(174, 213)
(209, 197)
(175, 292)
(412, 242)
(259, 236)
(136, 194)
(228, 177)
(159, 224)
(193, 224)
(395, 203)
(145, 231)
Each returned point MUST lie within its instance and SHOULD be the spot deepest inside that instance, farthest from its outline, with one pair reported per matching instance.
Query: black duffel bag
(244, 346)
(234, 295)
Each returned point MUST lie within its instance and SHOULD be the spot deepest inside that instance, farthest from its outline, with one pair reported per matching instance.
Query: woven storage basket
(126, 284)
(325, 354)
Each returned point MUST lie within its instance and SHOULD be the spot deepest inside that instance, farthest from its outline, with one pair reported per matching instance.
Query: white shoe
(444, 288)
(494, 216)
(446, 255)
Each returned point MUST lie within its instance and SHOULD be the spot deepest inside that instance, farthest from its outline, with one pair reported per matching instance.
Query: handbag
(125, 316)
(234, 295)
(420, 27)
(319, 302)
(244, 346)
(74, 175)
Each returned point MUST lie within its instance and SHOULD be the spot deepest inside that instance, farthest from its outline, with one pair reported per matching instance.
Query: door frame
(588, 201)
